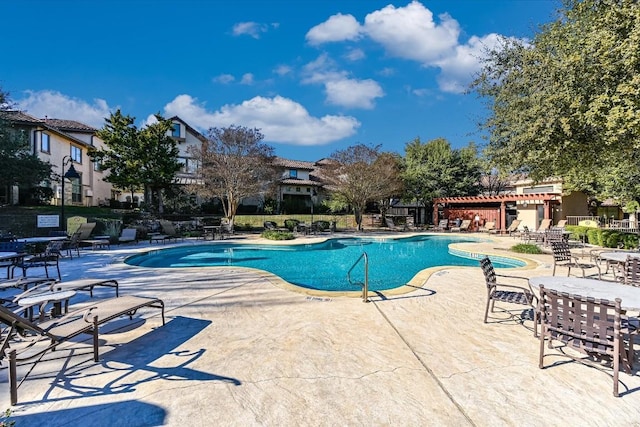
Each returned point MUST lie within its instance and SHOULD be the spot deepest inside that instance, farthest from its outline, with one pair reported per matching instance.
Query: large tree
(434, 169)
(567, 103)
(361, 174)
(138, 159)
(234, 164)
(18, 164)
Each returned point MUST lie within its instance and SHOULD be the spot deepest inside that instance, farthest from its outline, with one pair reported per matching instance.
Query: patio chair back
(168, 228)
(84, 230)
(545, 224)
(631, 273)
(128, 235)
(587, 325)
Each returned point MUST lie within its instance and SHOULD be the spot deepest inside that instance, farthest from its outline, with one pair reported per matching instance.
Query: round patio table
(601, 289)
(41, 300)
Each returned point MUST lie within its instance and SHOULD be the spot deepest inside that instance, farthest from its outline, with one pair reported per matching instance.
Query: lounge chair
(170, 231)
(85, 285)
(391, 225)
(513, 228)
(488, 227)
(464, 226)
(25, 340)
(443, 225)
(128, 235)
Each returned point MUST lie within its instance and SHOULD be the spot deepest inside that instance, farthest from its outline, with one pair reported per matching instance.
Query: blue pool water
(392, 261)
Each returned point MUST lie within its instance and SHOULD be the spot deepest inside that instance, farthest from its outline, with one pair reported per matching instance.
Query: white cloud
(55, 105)
(282, 70)
(253, 29)
(281, 120)
(457, 70)
(353, 93)
(247, 79)
(355, 55)
(387, 71)
(337, 28)
(410, 32)
(339, 87)
(224, 79)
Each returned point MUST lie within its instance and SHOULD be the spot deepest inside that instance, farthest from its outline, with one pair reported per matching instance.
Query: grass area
(526, 248)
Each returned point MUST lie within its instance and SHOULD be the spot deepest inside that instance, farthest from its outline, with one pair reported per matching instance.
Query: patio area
(240, 349)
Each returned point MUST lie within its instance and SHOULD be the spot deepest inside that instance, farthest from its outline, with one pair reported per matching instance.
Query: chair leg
(13, 381)
(486, 310)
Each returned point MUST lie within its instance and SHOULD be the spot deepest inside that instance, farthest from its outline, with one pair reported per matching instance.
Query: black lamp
(314, 197)
(71, 173)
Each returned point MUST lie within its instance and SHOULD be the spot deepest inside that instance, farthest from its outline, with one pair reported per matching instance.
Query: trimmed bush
(526, 248)
(291, 224)
(277, 235)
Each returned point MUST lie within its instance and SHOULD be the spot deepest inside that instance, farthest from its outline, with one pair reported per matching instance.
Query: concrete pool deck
(239, 350)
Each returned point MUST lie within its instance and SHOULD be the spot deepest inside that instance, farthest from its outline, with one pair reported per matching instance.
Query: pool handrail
(365, 285)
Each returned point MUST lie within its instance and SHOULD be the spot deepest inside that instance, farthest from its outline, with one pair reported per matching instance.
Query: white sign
(48, 221)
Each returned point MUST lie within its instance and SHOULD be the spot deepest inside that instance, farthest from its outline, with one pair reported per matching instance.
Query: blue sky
(315, 76)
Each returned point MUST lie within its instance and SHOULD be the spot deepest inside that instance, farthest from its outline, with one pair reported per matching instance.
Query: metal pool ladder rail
(365, 285)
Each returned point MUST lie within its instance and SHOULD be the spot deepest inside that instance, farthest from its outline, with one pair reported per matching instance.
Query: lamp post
(314, 197)
(71, 173)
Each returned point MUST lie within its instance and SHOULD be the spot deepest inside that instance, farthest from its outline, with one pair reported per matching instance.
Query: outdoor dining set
(584, 317)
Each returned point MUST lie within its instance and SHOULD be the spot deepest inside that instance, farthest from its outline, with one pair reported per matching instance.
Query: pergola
(479, 202)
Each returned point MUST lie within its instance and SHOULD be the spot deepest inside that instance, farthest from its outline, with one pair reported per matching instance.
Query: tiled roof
(293, 164)
(19, 116)
(69, 125)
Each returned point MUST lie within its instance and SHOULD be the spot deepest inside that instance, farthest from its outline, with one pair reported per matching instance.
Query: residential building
(59, 141)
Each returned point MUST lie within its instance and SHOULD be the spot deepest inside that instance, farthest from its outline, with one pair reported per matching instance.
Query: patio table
(601, 289)
(41, 300)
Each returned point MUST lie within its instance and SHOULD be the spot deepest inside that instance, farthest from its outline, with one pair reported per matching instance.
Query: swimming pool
(393, 262)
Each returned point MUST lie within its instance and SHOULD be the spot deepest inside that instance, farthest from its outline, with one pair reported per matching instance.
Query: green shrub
(613, 238)
(277, 235)
(291, 224)
(630, 240)
(578, 232)
(526, 248)
(594, 236)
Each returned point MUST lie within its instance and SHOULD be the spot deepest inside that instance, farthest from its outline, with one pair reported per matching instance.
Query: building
(63, 143)
(526, 200)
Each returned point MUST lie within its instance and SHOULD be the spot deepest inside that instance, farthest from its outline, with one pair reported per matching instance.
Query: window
(293, 173)
(175, 131)
(76, 154)
(76, 190)
(97, 165)
(188, 165)
(44, 143)
(308, 190)
(297, 189)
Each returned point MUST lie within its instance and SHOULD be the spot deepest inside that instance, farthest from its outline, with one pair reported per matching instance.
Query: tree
(566, 104)
(434, 169)
(361, 174)
(160, 163)
(138, 158)
(234, 164)
(18, 165)
(120, 158)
